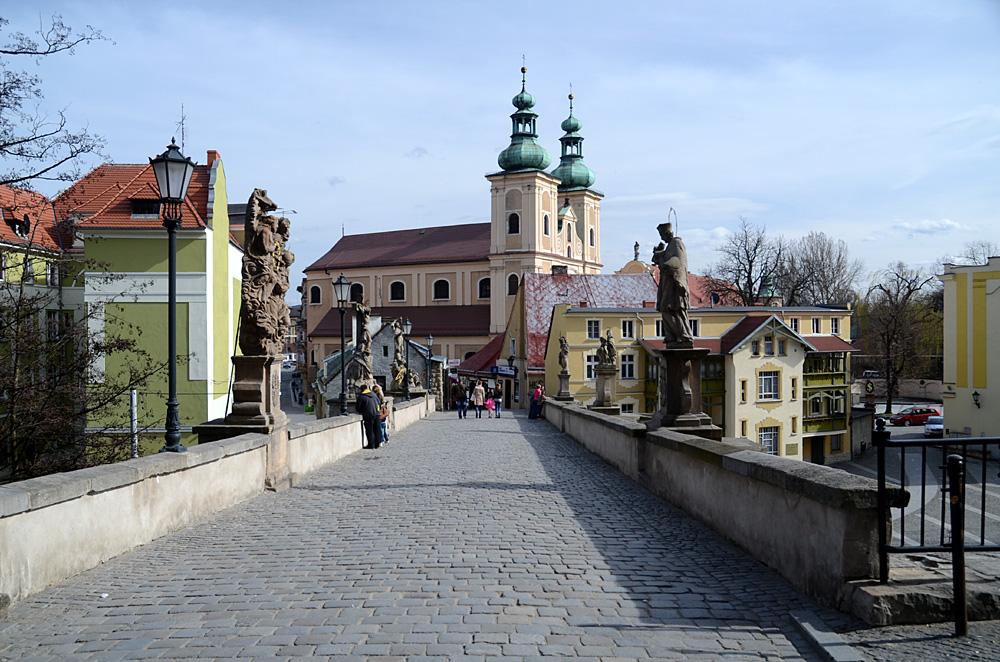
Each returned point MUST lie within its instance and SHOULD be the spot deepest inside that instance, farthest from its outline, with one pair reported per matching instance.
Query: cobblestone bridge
(461, 539)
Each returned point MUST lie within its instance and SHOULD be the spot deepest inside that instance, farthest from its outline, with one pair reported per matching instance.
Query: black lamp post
(342, 288)
(407, 327)
(975, 399)
(173, 173)
(430, 353)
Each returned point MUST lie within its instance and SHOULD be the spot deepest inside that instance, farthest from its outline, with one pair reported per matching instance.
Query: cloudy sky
(875, 122)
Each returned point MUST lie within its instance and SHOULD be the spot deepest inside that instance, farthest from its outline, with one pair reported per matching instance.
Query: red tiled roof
(446, 243)
(740, 331)
(43, 232)
(484, 358)
(436, 320)
(103, 197)
(542, 291)
(829, 344)
(700, 290)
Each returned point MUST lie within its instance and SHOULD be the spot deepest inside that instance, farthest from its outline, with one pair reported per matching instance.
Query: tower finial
(571, 98)
(524, 70)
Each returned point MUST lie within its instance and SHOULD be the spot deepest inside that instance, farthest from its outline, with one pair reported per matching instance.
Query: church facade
(458, 283)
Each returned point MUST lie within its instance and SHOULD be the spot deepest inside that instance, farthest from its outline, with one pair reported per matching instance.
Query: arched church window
(315, 295)
(484, 288)
(397, 291)
(512, 283)
(442, 290)
(513, 224)
(592, 236)
(545, 225)
(357, 292)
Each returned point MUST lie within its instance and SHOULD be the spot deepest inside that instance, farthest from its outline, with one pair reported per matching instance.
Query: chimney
(559, 270)
(583, 304)
(212, 156)
(649, 304)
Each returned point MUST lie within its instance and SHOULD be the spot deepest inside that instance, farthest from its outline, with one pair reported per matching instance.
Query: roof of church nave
(445, 243)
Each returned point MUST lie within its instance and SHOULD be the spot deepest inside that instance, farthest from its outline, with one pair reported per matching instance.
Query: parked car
(871, 374)
(934, 427)
(914, 416)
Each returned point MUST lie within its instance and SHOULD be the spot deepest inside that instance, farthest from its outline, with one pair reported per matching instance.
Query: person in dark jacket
(368, 405)
(460, 398)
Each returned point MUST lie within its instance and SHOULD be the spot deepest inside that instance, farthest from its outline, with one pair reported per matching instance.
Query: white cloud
(927, 227)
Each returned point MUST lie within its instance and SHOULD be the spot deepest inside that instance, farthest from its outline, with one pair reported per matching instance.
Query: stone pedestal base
(257, 391)
(680, 394)
(563, 394)
(607, 386)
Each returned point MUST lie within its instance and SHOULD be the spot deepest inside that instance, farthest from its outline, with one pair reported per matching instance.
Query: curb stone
(823, 639)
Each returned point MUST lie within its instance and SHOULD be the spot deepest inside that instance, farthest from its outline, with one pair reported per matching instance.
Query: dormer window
(142, 208)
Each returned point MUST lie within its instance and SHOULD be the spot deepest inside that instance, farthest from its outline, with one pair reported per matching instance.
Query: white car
(934, 427)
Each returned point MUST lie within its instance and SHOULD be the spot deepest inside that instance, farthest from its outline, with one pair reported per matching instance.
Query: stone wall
(815, 525)
(56, 526)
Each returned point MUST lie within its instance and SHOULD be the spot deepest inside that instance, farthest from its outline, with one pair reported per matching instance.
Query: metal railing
(946, 532)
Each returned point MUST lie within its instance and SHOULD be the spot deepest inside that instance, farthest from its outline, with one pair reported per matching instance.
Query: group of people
(374, 412)
(482, 397)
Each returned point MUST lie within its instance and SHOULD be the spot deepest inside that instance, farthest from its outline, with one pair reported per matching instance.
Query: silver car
(934, 427)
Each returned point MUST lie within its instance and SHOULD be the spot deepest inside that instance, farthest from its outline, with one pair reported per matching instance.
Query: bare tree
(749, 265)
(895, 321)
(36, 145)
(978, 252)
(818, 270)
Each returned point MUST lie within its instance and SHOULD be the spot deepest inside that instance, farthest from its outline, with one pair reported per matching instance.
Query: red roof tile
(42, 232)
(829, 344)
(485, 358)
(103, 197)
(543, 291)
(447, 243)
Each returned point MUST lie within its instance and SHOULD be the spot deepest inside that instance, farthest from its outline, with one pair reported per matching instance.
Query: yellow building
(762, 380)
(970, 323)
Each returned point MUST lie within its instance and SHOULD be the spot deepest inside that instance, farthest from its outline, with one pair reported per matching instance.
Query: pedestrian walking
(383, 414)
(460, 398)
(367, 405)
(498, 399)
(479, 398)
(490, 404)
(536, 401)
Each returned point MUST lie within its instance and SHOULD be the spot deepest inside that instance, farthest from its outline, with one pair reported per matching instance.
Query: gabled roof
(750, 325)
(103, 198)
(829, 344)
(42, 231)
(436, 320)
(446, 243)
(482, 360)
(543, 291)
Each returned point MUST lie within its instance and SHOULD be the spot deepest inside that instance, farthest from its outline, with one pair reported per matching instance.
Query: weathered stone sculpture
(263, 312)
(563, 393)
(563, 353)
(672, 297)
(612, 352)
(680, 360)
(358, 373)
(398, 367)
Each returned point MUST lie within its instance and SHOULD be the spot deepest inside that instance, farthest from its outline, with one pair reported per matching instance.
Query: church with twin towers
(458, 282)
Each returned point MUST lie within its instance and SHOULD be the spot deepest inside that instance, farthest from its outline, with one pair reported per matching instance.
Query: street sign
(503, 371)
(454, 363)
(869, 386)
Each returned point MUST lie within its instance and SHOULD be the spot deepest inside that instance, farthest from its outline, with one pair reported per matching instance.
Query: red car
(913, 416)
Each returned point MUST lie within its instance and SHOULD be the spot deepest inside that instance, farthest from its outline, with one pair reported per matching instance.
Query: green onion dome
(524, 152)
(571, 171)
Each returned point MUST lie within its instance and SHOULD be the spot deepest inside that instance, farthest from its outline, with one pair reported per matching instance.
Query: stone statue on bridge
(672, 297)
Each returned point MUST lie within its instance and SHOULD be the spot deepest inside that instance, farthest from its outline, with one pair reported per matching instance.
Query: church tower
(540, 223)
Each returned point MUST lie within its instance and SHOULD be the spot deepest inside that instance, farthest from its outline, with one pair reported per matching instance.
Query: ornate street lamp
(342, 288)
(430, 353)
(173, 173)
(407, 327)
(975, 399)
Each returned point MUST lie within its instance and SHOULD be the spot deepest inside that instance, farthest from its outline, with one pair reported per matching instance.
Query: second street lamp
(407, 327)
(430, 353)
(173, 173)
(342, 288)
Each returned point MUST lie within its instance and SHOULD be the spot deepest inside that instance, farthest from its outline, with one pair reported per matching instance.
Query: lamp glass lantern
(342, 288)
(173, 173)
(407, 328)
(975, 399)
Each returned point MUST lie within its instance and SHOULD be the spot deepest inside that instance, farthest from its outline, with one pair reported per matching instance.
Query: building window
(628, 329)
(628, 366)
(768, 438)
(817, 322)
(442, 290)
(513, 224)
(795, 424)
(769, 345)
(767, 385)
(835, 326)
(795, 387)
(695, 331)
(793, 324)
(743, 390)
(835, 443)
(545, 225)
(743, 429)
(569, 251)
(315, 295)
(397, 291)
(145, 208)
(512, 283)
(52, 272)
(816, 406)
(593, 329)
(659, 328)
(3, 268)
(385, 350)
(484, 288)
(592, 237)
(628, 408)
(28, 270)
(357, 292)
(781, 347)
(513, 347)
(755, 347)
(591, 366)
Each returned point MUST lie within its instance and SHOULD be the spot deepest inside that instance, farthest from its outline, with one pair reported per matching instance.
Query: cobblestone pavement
(472, 539)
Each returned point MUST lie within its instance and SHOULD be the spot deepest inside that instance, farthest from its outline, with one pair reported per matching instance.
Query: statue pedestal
(680, 393)
(606, 401)
(563, 395)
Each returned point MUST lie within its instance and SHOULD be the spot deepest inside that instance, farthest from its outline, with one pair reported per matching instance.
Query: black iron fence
(938, 524)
